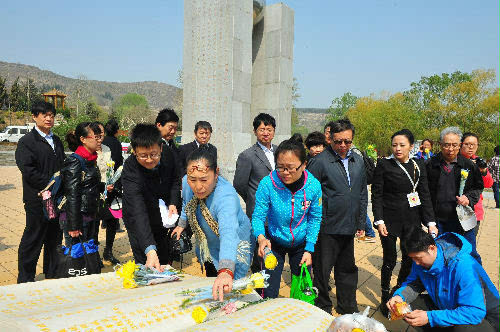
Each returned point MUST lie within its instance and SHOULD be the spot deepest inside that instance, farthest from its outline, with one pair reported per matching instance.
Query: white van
(13, 133)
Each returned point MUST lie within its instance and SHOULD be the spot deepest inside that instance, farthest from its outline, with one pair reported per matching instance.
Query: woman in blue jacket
(222, 230)
(289, 199)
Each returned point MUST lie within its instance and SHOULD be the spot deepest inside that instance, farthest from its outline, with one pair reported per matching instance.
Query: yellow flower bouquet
(134, 275)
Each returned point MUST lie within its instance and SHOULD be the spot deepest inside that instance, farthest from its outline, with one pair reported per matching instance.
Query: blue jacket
(292, 218)
(457, 284)
(233, 248)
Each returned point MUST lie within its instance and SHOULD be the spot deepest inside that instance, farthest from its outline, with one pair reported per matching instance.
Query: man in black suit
(202, 133)
(39, 155)
(167, 122)
(254, 164)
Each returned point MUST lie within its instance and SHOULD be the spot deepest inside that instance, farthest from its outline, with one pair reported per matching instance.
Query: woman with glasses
(81, 182)
(150, 182)
(401, 202)
(289, 200)
(222, 230)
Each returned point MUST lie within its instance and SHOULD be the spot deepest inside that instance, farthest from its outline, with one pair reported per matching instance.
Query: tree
(130, 110)
(4, 94)
(92, 110)
(31, 93)
(340, 106)
(294, 114)
(16, 96)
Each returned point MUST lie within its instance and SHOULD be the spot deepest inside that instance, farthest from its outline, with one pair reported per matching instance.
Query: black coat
(186, 149)
(116, 150)
(390, 188)
(474, 184)
(82, 188)
(344, 206)
(37, 162)
(142, 188)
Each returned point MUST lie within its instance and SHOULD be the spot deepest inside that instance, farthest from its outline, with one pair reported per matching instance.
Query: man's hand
(76, 233)
(382, 230)
(433, 230)
(172, 209)
(110, 187)
(177, 232)
(223, 284)
(462, 200)
(391, 304)
(360, 233)
(263, 242)
(152, 261)
(417, 318)
(306, 258)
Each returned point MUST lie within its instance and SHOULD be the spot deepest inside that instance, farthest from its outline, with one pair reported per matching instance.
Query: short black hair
(314, 139)
(431, 142)
(328, 125)
(468, 134)
(145, 135)
(404, 132)
(166, 115)
(497, 150)
(340, 126)
(418, 240)
(202, 125)
(294, 146)
(264, 118)
(81, 130)
(111, 127)
(42, 107)
(203, 153)
(297, 137)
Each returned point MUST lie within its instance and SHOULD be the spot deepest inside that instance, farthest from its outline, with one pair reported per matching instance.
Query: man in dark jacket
(345, 198)
(202, 134)
(460, 295)
(444, 174)
(110, 140)
(167, 122)
(39, 155)
(148, 176)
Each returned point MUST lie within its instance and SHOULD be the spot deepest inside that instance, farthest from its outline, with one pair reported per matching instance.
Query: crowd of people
(307, 200)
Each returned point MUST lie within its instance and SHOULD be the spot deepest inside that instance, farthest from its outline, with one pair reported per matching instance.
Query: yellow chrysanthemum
(257, 280)
(199, 314)
(427, 150)
(464, 174)
(127, 270)
(270, 262)
(357, 330)
(129, 283)
(247, 290)
(110, 164)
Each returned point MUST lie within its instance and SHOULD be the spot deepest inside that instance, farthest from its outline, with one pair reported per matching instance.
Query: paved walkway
(368, 255)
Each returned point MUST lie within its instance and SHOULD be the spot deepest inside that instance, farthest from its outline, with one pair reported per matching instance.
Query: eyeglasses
(340, 141)
(145, 156)
(450, 146)
(96, 137)
(470, 145)
(289, 170)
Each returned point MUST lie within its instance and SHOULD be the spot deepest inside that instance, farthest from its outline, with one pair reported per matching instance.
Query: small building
(55, 95)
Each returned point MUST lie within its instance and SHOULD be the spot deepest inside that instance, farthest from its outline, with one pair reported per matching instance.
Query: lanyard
(408, 175)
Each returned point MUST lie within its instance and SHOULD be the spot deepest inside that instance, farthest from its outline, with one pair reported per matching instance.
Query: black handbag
(69, 266)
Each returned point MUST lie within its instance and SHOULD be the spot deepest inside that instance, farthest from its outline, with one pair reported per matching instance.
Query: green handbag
(302, 287)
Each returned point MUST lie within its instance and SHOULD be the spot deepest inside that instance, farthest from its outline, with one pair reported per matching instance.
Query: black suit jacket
(390, 188)
(116, 150)
(186, 149)
(37, 162)
(251, 167)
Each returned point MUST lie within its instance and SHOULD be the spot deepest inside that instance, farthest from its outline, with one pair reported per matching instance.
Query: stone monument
(238, 62)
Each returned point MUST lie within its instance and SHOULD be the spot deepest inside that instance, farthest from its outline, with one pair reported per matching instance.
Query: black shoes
(108, 256)
(383, 305)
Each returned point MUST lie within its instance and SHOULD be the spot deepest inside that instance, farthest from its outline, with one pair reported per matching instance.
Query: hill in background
(159, 95)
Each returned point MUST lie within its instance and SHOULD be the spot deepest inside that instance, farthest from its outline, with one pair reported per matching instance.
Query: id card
(413, 199)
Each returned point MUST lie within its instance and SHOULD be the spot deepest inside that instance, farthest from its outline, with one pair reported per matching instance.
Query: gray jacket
(251, 167)
(344, 206)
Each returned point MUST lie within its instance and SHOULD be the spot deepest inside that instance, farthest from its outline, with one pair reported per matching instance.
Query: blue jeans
(369, 231)
(454, 226)
(495, 193)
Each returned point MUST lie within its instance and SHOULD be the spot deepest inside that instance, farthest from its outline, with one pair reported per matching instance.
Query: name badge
(413, 199)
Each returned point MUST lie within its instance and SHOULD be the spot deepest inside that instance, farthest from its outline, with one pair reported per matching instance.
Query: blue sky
(359, 46)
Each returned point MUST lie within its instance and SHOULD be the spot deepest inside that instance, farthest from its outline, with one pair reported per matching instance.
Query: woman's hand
(152, 261)
(223, 284)
(263, 242)
(306, 258)
(177, 232)
(76, 233)
(382, 230)
(172, 209)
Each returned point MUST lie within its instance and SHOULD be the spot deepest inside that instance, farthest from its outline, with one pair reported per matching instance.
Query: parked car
(13, 133)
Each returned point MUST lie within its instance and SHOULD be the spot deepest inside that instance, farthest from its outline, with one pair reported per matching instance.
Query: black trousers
(337, 252)
(38, 232)
(424, 302)
(389, 261)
